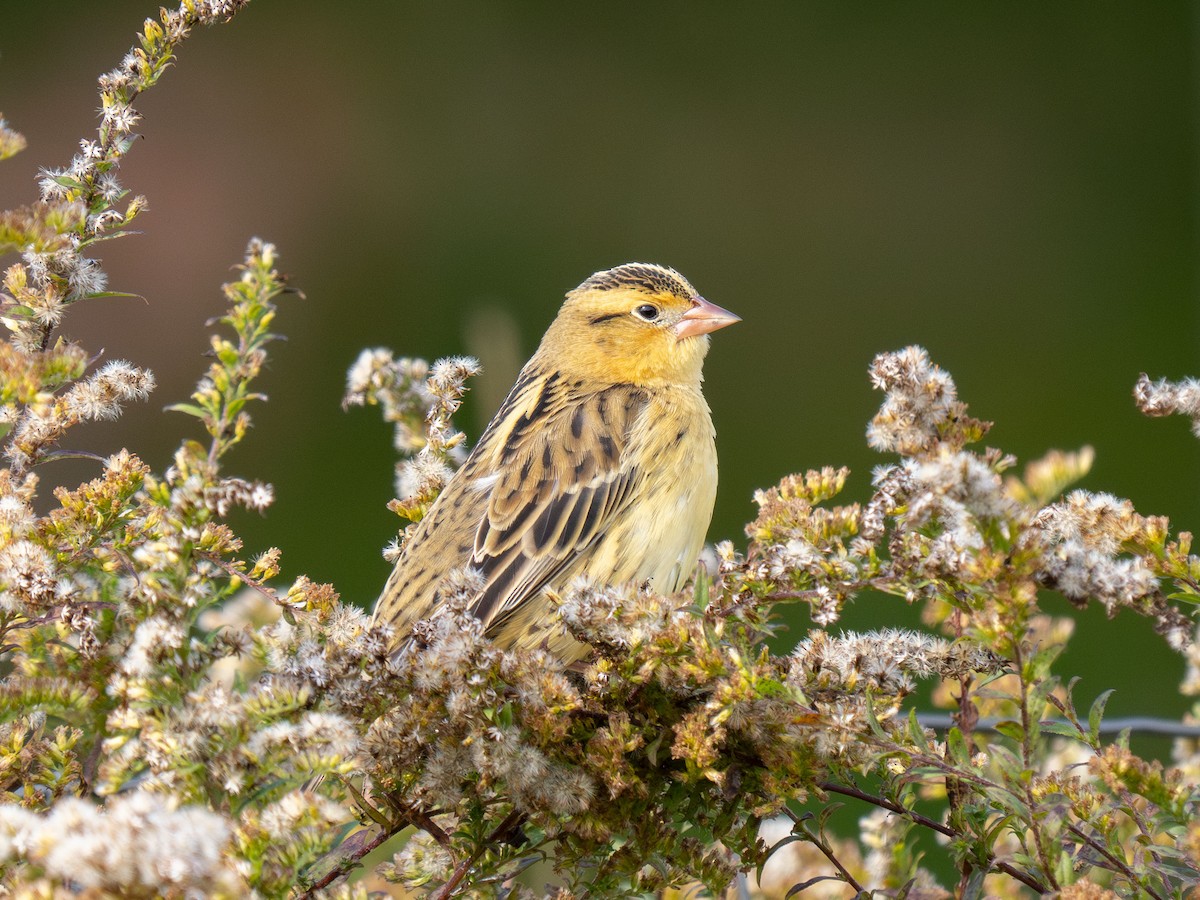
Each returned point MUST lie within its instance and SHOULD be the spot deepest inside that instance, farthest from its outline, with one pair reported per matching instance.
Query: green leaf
(957, 745)
(796, 889)
(992, 833)
(872, 720)
(915, 732)
(828, 810)
(363, 804)
(1064, 729)
(1096, 714)
(1186, 597)
(108, 236)
(701, 588)
(190, 409)
(101, 295)
(653, 747)
(67, 181)
(1011, 729)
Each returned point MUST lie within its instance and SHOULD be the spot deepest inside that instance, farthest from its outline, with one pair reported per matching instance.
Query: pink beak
(702, 318)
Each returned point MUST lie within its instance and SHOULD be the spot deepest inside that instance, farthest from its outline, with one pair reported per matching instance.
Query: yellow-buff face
(637, 323)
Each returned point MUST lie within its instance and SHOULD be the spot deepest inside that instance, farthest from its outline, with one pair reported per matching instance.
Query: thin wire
(1138, 724)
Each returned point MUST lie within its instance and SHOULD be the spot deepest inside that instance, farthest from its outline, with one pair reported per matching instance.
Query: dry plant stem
(884, 585)
(834, 788)
(1139, 820)
(228, 568)
(55, 613)
(425, 823)
(1117, 862)
(828, 853)
(1027, 757)
(824, 848)
(447, 890)
(346, 864)
(93, 759)
(965, 718)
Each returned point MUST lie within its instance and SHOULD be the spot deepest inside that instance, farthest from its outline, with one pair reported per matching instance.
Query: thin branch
(829, 855)
(460, 872)
(51, 455)
(793, 595)
(1116, 861)
(426, 824)
(1039, 837)
(56, 614)
(835, 788)
(229, 569)
(348, 862)
(1139, 724)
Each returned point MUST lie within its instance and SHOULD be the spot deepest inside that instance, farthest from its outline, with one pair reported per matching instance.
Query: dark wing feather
(561, 485)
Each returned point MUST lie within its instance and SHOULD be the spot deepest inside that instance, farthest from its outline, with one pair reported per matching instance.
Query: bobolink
(600, 462)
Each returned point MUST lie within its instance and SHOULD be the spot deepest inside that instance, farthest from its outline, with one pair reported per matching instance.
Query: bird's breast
(660, 535)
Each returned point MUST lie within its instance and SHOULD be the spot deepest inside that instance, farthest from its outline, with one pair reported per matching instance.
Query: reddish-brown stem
(229, 569)
(460, 872)
(1118, 863)
(346, 863)
(815, 840)
(425, 823)
(1026, 761)
(834, 788)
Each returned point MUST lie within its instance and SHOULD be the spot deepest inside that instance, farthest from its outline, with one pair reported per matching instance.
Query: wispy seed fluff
(920, 397)
(423, 475)
(139, 844)
(102, 395)
(282, 819)
(377, 377)
(1099, 520)
(27, 577)
(883, 660)
(1079, 572)
(1162, 398)
(156, 640)
(230, 492)
(448, 378)
(1085, 533)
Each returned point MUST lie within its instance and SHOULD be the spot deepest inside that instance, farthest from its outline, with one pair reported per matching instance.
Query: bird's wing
(561, 484)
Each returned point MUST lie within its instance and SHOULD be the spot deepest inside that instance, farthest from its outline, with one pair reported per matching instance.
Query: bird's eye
(647, 311)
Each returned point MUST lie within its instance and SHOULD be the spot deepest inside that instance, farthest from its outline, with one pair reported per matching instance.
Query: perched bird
(600, 462)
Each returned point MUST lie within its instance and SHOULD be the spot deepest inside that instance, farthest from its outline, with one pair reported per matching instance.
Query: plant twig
(425, 823)
(55, 613)
(1141, 724)
(347, 862)
(1116, 861)
(51, 455)
(1039, 838)
(835, 788)
(229, 569)
(825, 849)
(460, 872)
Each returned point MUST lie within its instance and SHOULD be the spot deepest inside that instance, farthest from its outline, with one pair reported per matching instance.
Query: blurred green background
(1011, 185)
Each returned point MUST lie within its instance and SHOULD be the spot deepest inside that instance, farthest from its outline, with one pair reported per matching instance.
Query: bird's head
(637, 323)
